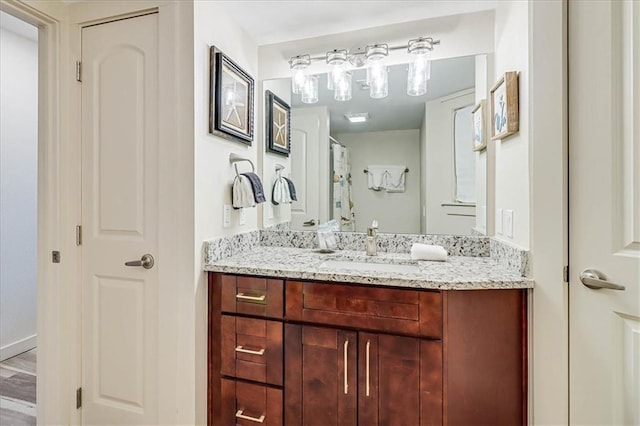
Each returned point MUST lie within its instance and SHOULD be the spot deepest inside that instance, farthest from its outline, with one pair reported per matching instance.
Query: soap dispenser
(372, 243)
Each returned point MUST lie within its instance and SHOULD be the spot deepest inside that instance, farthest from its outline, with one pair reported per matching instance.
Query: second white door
(120, 221)
(604, 212)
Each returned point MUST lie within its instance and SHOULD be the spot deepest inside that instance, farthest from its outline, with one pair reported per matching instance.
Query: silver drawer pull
(243, 296)
(249, 351)
(253, 419)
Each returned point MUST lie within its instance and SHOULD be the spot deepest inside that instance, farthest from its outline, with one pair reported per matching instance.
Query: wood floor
(18, 390)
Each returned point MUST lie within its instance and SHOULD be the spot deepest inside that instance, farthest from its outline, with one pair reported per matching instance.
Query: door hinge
(79, 235)
(565, 273)
(78, 398)
(55, 256)
(78, 71)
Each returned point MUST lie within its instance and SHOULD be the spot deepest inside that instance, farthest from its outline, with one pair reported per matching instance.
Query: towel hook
(235, 159)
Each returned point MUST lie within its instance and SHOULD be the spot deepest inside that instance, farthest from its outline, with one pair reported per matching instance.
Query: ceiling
(269, 22)
(398, 110)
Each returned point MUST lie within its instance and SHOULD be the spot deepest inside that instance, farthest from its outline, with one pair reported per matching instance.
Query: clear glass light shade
(297, 81)
(419, 73)
(298, 65)
(337, 61)
(342, 87)
(377, 76)
(310, 90)
(378, 80)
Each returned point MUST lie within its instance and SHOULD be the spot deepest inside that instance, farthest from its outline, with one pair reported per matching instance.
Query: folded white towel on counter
(376, 177)
(428, 252)
(395, 178)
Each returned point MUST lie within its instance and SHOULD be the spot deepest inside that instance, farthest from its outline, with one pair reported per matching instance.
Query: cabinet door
(320, 376)
(400, 380)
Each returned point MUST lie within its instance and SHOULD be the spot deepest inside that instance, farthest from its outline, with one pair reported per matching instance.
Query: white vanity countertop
(457, 273)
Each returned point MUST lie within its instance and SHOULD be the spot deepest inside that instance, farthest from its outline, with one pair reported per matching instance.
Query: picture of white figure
(504, 107)
(500, 110)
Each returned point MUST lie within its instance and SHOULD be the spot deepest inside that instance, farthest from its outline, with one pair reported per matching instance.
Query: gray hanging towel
(292, 189)
(258, 191)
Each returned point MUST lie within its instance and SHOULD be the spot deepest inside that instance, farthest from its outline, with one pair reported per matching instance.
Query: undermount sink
(342, 265)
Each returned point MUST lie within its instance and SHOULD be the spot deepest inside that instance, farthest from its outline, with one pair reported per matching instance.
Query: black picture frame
(278, 125)
(230, 99)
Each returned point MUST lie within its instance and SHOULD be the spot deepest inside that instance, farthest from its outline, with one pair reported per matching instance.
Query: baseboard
(15, 348)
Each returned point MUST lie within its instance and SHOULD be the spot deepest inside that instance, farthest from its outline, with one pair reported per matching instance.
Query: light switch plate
(242, 217)
(508, 223)
(269, 209)
(226, 216)
(499, 221)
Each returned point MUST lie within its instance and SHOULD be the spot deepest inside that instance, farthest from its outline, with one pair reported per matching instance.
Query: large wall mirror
(410, 165)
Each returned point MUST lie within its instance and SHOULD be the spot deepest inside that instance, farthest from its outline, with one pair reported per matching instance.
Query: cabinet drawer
(381, 309)
(252, 349)
(252, 296)
(247, 404)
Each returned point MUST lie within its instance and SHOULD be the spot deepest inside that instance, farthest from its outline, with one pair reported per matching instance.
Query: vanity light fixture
(359, 117)
(339, 78)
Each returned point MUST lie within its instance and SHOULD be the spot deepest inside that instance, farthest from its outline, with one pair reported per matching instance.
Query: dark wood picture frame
(278, 124)
(230, 99)
(504, 106)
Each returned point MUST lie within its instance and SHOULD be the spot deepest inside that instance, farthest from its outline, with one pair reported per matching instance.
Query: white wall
(395, 212)
(439, 164)
(18, 188)
(213, 172)
(512, 154)
(272, 214)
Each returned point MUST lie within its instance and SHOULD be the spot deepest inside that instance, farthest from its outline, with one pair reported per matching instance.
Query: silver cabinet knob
(146, 262)
(596, 280)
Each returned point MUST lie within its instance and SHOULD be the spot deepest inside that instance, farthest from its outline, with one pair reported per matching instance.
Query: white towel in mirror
(376, 177)
(395, 178)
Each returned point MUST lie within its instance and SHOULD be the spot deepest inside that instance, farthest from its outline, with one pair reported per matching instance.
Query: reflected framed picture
(278, 124)
(504, 106)
(230, 99)
(478, 117)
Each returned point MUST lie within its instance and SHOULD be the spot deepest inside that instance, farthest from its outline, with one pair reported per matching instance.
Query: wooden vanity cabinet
(344, 354)
(339, 377)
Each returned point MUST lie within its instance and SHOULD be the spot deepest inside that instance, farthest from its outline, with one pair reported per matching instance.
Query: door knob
(596, 280)
(145, 261)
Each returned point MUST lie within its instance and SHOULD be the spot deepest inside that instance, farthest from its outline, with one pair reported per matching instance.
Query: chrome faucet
(372, 239)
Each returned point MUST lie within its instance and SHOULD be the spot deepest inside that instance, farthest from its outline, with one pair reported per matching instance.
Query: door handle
(311, 222)
(146, 262)
(596, 280)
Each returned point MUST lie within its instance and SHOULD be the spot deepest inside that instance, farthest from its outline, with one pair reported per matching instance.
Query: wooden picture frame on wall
(230, 99)
(479, 119)
(278, 125)
(505, 120)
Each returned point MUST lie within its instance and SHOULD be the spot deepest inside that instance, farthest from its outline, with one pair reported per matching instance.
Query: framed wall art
(230, 99)
(504, 106)
(278, 124)
(478, 117)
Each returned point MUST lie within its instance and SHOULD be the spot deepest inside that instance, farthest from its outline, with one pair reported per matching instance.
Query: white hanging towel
(395, 178)
(281, 194)
(376, 177)
(242, 193)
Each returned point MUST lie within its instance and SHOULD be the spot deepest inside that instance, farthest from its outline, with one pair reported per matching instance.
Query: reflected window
(464, 157)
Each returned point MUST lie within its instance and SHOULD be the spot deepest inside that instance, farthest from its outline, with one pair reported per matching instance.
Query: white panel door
(604, 211)
(305, 169)
(120, 221)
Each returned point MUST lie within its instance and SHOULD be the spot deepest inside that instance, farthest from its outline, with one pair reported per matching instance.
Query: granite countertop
(457, 273)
